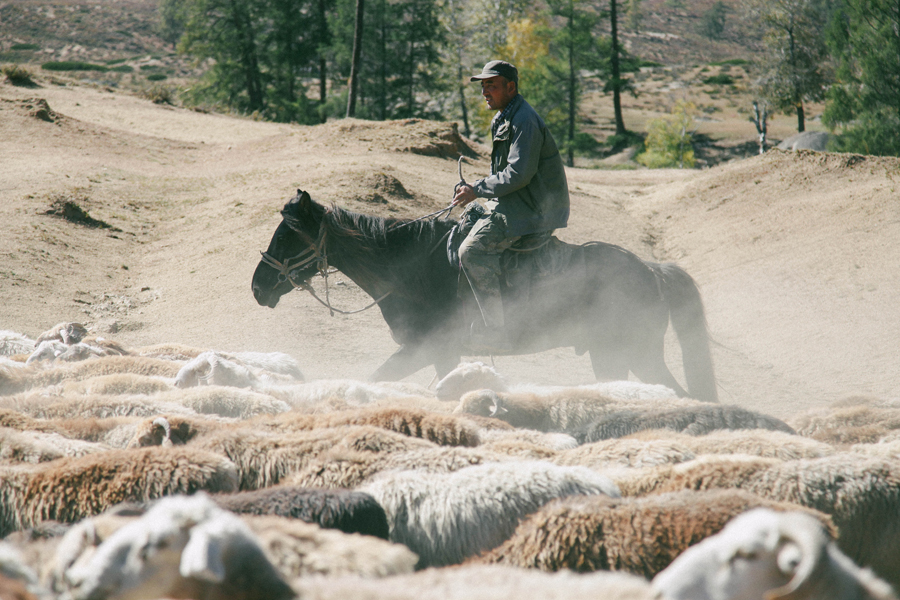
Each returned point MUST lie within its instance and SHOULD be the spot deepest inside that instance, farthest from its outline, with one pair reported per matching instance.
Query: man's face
(497, 91)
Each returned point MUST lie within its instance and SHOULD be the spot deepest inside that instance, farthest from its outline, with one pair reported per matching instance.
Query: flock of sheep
(175, 472)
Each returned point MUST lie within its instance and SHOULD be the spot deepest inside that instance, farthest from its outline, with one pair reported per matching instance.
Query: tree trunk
(382, 73)
(323, 64)
(357, 53)
(570, 154)
(462, 98)
(801, 118)
(617, 83)
(252, 76)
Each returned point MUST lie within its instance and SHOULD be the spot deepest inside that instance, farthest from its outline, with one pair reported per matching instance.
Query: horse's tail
(689, 322)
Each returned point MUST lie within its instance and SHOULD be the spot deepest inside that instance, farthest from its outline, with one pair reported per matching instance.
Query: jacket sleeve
(522, 162)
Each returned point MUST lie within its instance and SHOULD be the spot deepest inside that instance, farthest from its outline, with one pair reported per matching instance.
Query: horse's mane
(385, 248)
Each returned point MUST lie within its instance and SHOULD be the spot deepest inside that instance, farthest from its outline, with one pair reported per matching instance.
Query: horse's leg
(608, 364)
(410, 358)
(650, 367)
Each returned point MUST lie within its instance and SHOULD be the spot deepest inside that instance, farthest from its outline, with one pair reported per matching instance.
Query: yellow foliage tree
(668, 142)
(527, 44)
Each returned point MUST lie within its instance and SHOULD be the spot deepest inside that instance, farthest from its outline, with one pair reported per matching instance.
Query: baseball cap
(497, 68)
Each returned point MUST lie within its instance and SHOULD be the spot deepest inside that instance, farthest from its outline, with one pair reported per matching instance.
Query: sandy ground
(796, 255)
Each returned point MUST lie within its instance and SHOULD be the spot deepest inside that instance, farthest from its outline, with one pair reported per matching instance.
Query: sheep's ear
(801, 555)
(202, 557)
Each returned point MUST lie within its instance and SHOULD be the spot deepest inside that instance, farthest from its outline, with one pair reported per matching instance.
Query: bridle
(316, 252)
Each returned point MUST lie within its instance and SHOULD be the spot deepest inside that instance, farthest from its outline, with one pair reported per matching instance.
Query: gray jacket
(527, 184)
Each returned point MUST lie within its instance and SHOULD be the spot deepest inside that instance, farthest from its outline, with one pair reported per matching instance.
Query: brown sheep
(562, 412)
(71, 489)
(845, 425)
(693, 420)
(13, 381)
(625, 453)
(264, 459)
(638, 535)
(860, 493)
(347, 468)
(753, 442)
(169, 351)
(446, 430)
(119, 384)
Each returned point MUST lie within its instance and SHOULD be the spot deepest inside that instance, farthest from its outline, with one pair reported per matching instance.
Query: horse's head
(291, 257)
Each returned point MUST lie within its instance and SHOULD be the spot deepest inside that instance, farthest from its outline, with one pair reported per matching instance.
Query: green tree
(865, 100)
(227, 31)
(617, 62)
(712, 23)
(579, 51)
(399, 57)
(171, 19)
(792, 70)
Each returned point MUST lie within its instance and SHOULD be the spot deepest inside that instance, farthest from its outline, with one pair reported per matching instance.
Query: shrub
(17, 75)
(159, 94)
(720, 79)
(25, 47)
(122, 69)
(668, 142)
(156, 77)
(72, 65)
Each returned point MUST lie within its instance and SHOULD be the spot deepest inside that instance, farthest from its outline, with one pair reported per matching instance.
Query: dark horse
(602, 299)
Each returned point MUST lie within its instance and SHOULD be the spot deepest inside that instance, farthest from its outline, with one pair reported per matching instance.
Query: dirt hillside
(795, 254)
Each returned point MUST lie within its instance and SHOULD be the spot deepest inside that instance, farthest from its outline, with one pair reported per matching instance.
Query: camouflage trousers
(480, 254)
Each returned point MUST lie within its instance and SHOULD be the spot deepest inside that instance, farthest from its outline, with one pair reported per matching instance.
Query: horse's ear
(302, 200)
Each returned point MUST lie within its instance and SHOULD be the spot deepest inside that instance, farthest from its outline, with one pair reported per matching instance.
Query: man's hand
(464, 194)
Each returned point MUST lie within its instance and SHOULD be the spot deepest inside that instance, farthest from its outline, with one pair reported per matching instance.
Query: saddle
(533, 259)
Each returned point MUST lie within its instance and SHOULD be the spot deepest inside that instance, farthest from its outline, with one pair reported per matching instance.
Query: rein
(318, 255)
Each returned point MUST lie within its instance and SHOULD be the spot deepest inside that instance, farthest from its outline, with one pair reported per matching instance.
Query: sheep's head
(46, 350)
(67, 333)
(162, 431)
(467, 377)
(195, 372)
(186, 546)
(484, 403)
(765, 554)
(156, 432)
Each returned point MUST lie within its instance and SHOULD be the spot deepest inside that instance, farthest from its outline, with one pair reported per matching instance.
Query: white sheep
(46, 351)
(481, 582)
(446, 517)
(255, 370)
(14, 570)
(471, 376)
(12, 343)
(346, 393)
(184, 547)
(772, 555)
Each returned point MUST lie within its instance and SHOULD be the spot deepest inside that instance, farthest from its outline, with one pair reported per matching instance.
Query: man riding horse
(527, 196)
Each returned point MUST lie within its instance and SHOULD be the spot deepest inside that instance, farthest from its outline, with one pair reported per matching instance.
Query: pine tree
(865, 101)
(793, 69)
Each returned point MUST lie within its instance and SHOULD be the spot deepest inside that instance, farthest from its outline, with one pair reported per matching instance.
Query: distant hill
(669, 32)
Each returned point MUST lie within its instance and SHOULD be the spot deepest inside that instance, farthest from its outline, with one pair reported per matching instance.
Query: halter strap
(318, 255)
